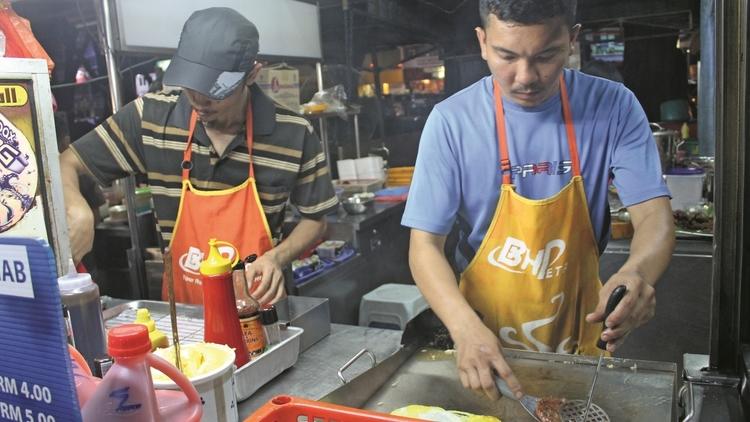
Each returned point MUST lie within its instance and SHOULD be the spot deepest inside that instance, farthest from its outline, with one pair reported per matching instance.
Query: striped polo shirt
(148, 136)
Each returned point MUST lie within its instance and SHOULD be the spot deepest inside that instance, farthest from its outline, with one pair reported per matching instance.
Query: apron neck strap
(570, 128)
(502, 137)
(187, 154)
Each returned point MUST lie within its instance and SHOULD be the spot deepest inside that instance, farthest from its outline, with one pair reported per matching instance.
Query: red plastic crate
(294, 409)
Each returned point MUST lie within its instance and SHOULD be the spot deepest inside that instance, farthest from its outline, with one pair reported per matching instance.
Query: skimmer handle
(614, 299)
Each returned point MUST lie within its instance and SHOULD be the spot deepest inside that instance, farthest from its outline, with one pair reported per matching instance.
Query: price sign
(36, 379)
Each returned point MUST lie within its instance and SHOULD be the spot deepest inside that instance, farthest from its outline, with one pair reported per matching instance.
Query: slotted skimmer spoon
(571, 411)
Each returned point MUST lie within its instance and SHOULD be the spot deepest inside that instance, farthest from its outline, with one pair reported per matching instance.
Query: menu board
(36, 378)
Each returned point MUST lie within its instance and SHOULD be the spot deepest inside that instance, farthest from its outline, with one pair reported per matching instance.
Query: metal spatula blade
(571, 410)
(528, 402)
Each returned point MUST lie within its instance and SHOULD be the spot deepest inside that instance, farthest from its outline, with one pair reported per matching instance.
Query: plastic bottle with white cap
(81, 296)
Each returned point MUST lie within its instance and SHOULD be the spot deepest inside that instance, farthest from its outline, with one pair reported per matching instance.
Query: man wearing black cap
(221, 158)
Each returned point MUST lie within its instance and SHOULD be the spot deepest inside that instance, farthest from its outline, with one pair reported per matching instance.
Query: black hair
(528, 12)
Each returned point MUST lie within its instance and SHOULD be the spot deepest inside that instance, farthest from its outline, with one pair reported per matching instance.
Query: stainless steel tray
(264, 368)
(627, 390)
(309, 313)
(247, 379)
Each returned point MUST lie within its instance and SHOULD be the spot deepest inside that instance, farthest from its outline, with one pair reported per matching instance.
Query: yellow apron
(536, 273)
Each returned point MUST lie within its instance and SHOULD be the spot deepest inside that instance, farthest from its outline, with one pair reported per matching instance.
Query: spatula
(528, 402)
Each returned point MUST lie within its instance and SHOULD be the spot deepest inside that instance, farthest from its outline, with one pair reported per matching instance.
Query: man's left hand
(636, 308)
(266, 278)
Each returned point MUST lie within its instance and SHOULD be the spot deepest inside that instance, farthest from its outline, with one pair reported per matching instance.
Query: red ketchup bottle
(221, 322)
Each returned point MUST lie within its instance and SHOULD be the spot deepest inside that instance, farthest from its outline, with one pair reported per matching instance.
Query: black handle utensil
(614, 299)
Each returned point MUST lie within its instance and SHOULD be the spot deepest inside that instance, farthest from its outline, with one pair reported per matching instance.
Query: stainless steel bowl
(356, 204)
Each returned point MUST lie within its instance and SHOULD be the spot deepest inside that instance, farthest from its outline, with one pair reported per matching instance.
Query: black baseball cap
(217, 48)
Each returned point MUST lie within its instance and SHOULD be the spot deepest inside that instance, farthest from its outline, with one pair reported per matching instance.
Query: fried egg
(438, 414)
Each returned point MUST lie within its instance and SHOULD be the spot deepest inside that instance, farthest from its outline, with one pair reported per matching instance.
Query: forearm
(302, 236)
(652, 245)
(435, 279)
(79, 216)
(70, 168)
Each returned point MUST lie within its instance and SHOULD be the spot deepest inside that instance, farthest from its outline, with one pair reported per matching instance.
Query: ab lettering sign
(15, 278)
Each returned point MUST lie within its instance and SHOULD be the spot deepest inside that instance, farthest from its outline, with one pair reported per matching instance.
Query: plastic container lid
(685, 171)
(128, 340)
(73, 279)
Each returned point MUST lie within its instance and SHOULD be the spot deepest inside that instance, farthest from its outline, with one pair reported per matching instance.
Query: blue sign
(36, 378)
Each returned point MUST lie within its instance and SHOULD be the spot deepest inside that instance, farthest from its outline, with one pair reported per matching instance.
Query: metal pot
(358, 203)
(667, 141)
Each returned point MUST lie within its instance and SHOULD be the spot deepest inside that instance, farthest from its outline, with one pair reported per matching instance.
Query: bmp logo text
(515, 257)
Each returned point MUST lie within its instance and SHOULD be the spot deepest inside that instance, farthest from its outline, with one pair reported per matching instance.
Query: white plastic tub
(686, 189)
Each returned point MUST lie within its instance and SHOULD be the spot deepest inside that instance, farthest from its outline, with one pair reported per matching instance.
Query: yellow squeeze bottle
(158, 338)
(685, 131)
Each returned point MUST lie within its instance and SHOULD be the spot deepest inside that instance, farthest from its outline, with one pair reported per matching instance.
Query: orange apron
(233, 215)
(536, 273)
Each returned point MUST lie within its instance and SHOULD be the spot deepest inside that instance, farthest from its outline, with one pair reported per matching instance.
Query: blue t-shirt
(457, 171)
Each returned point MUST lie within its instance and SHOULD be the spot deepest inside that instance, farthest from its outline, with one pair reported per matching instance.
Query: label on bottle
(252, 330)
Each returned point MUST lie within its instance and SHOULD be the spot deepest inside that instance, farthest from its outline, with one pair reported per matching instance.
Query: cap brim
(214, 83)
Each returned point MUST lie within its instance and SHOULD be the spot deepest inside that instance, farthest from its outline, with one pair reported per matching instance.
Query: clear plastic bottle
(80, 295)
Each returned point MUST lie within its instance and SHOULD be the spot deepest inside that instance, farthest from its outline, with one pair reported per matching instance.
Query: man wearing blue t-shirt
(525, 157)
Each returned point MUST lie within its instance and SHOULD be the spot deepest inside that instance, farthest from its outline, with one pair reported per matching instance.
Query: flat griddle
(423, 372)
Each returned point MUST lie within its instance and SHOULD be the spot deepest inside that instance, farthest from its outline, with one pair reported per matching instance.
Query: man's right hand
(80, 227)
(479, 354)
(479, 350)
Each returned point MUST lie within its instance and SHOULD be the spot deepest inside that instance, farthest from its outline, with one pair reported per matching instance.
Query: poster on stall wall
(36, 375)
(281, 83)
(21, 205)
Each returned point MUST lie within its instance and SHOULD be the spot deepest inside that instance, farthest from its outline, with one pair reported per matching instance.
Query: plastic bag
(19, 40)
(331, 100)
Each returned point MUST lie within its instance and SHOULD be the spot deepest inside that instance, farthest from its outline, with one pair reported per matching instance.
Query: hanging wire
(99, 78)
